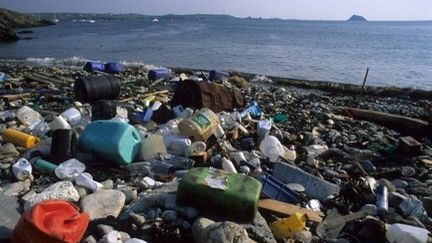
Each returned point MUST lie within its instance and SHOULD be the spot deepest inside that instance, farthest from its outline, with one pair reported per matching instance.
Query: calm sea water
(397, 53)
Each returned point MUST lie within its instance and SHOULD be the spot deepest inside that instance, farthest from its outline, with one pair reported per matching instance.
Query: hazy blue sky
(295, 9)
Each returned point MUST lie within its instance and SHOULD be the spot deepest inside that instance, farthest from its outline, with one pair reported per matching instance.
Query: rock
(82, 192)
(373, 230)
(9, 215)
(357, 18)
(104, 229)
(398, 183)
(62, 190)
(103, 203)
(130, 193)
(7, 34)
(304, 236)
(108, 184)
(421, 191)
(17, 188)
(259, 230)
(89, 239)
(169, 216)
(137, 219)
(427, 204)
(371, 208)
(388, 184)
(124, 236)
(413, 183)
(205, 230)
(8, 150)
(395, 199)
(408, 171)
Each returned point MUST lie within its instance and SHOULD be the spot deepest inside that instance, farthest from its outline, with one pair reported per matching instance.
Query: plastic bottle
(22, 169)
(263, 128)
(19, 138)
(227, 165)
(198, 147)
(218, 131)
(86, 180)
(382, 199)
(69, 168)
(175, 144)
(285, 228)
(28, 116)
(72, 115)
(238, 157)
(271, 148)
(44, 166)
(402, 233)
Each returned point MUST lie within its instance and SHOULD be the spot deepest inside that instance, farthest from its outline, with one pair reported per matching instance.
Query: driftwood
(405, 125)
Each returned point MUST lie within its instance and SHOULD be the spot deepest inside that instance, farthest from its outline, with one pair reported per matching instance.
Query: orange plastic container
(51, 221)
(19, 138)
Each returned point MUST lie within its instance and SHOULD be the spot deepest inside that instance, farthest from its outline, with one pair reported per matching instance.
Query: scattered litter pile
(115, 154)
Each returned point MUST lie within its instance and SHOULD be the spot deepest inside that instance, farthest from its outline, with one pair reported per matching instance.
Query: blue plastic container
(114, 67)
(94, 66)
(114, 141)
(254, 110)
(159, 73)
(218, 75)
(276, 190)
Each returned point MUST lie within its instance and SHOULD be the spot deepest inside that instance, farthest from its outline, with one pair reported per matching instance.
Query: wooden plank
(287, 209)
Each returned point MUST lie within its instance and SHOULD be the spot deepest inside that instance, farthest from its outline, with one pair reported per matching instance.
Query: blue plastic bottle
(114, 141)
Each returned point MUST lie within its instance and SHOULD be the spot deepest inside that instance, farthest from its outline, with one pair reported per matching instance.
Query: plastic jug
(28, 116)
(19, 138)
(285, 228)
(152, 146)
(402, 233)
(22, 169)
(271, 148)
(200, 126)
(114, 141)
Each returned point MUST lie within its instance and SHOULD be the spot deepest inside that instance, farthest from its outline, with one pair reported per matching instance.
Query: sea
(396, 53)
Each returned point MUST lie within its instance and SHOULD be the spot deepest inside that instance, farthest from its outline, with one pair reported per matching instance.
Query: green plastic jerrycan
(214, 191)
(114, 141)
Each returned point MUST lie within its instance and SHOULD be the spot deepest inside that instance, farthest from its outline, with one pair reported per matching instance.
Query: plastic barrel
(94, 66)
(113, 141)
(63, 146)
(114, 67)
(158, 73)
(92, 88)
(218, 75)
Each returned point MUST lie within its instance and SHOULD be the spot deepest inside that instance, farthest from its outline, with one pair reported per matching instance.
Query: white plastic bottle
(272, 148)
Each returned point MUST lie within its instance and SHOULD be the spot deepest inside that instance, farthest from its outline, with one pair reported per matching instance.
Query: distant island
(357, 18)
(10, 20)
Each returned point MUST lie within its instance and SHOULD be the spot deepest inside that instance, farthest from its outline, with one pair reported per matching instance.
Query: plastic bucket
(200, 126)
(92, 88)
(159, 73)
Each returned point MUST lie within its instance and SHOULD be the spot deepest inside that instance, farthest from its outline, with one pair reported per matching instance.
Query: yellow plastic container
(19, 138)
(286, 227)
(200, 126)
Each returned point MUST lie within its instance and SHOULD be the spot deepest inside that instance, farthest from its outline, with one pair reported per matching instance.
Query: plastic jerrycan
(200, 126)
(286, 227)
(113, 141)
(19, 138)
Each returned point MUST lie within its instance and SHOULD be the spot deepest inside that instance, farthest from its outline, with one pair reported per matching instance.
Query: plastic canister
(22, 169)
(286, 227)
(200, 126)
(63, 145)
(72, 115)
(19, 138)
(382, 199)
(114, 141)
(114, 67)
(152, 146)
(271, 148)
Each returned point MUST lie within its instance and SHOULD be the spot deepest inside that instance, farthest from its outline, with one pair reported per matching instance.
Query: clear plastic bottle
(69, 168)
(271, 148)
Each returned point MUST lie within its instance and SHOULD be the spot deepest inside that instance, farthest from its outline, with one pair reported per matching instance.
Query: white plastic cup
(22, 169)
(263, 128)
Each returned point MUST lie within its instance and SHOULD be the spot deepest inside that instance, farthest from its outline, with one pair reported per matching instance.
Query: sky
(286, 9)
